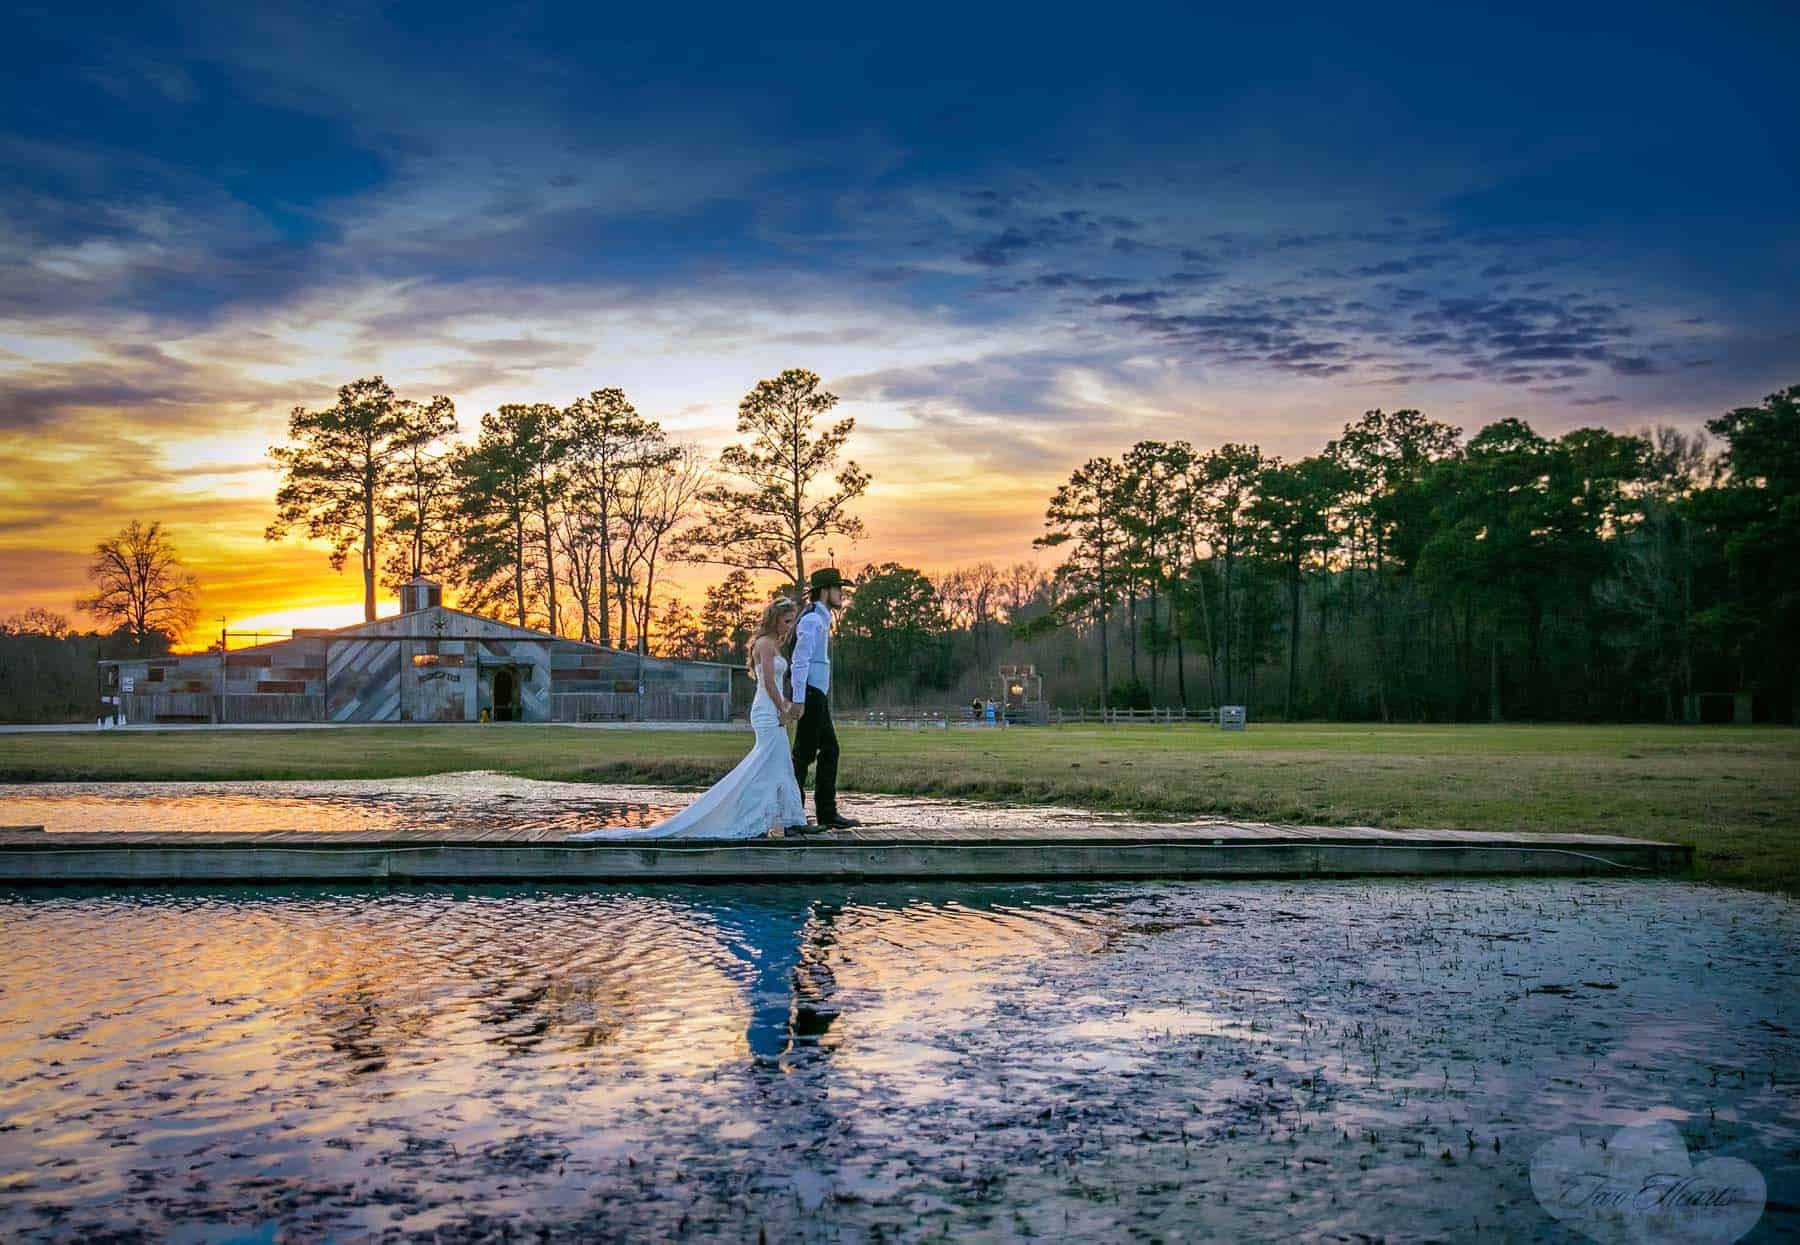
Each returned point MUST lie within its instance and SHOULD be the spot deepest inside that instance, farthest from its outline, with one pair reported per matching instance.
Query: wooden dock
(29, 856)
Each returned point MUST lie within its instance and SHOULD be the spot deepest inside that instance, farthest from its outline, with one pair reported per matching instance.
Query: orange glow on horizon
(933, 520)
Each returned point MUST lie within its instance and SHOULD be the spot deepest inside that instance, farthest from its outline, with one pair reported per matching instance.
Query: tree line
(1405, 572)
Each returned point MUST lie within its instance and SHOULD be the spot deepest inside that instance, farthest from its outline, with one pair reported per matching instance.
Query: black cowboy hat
(829, 577)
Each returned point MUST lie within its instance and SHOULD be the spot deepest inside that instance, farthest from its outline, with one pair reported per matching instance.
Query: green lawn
(1732, 792)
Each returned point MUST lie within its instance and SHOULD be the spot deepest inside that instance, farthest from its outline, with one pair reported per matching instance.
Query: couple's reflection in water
(787, 948)
(788, 941)
(501, 959)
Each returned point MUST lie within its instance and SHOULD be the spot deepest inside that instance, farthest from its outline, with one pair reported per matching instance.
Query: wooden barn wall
(576, 667)
(530, 660)
(273, 707)
(447, 691)
(595, 684)
(363, 678)
(280, 682)
(657, 707)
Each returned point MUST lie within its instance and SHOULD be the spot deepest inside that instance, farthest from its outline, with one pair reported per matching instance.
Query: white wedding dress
(752, 799)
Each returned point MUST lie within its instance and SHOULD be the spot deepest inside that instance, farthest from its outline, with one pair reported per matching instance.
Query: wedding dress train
(757, 796)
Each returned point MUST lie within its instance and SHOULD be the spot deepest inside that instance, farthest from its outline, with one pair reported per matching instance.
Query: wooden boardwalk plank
(1063, 850)
(38, 837)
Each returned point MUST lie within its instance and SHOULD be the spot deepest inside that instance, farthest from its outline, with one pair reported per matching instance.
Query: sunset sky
(1008, 238)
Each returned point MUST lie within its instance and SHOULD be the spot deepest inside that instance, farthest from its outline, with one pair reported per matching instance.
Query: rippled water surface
(1244, 1060)
(450, 804)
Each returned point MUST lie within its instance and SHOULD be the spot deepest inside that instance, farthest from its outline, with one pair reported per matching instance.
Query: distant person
(975, 709)
(761, 793)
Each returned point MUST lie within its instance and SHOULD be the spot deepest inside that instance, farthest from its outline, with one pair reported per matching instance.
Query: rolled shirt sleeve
(807, 635)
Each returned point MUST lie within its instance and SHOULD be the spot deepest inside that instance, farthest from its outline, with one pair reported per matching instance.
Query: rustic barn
(429, 663)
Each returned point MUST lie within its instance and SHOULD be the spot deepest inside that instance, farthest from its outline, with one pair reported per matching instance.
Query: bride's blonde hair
(772, 615)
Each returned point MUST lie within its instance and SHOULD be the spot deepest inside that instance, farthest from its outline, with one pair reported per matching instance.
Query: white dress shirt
(811, 666)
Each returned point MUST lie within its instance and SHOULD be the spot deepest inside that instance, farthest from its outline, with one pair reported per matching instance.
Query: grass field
(1734, 793)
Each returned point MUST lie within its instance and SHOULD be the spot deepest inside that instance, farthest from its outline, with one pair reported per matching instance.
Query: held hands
(790, 712)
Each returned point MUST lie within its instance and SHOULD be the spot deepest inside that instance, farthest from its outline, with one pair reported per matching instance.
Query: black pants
(816, 737)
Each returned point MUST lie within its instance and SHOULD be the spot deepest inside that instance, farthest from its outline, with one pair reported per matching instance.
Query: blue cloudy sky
(1009, 237)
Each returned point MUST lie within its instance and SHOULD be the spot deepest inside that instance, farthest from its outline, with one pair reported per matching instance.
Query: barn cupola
(419, 593)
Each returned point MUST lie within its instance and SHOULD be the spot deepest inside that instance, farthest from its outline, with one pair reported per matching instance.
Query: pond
(1243, 1060)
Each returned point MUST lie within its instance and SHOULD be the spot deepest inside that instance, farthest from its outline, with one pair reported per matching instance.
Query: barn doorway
(506, 695)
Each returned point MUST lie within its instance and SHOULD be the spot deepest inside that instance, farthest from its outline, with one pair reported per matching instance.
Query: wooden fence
(910, 718)
(149, 708)
(1114, 717)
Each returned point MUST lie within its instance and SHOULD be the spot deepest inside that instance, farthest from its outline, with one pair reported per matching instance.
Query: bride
(761, 792)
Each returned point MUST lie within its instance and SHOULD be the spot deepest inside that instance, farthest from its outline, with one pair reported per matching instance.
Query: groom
(811, 670)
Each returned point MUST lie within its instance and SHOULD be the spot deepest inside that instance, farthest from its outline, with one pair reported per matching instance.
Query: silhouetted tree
(681, 635)
(420, 506)
(1084, 515)
(607, 440)
(663, 498)
(729, 617)
(893, 630)
(1383, 455)
(1647, 597)
(1752, 517)
(141, 585)
(1224, 485)
(1151, 514)
(344, 465)
(496, 498)
(777, 513)
(1291, 520)
(36, 620)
